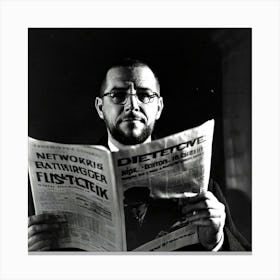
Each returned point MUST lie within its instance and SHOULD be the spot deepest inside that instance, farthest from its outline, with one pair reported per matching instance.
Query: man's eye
(143, 95)
(119, 94)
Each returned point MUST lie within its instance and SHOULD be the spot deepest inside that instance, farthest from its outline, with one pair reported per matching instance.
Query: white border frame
(17, 16)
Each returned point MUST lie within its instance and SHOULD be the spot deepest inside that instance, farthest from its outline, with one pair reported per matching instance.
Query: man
(130, 104)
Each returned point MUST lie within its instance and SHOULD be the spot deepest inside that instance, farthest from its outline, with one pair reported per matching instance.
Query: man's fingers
(207, 221)
(41, 218)
(202, 205)
(42, 236)
(43, 231)
(198, 197)
(42, 245)
(46, 218)
(35, 229)
(206, 214)
(201, 196)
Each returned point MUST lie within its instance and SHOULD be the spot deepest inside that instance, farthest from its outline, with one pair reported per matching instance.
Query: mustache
(133, 116)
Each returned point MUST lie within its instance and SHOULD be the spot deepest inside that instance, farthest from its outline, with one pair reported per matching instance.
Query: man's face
(133, 122)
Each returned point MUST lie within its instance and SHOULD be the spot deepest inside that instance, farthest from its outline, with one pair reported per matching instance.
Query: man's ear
(99, 106)
(159, 108)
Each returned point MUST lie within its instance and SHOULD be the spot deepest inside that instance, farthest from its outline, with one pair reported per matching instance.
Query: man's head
(129, 102)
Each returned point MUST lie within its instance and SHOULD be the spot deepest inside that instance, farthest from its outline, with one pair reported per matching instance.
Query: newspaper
(126, 200)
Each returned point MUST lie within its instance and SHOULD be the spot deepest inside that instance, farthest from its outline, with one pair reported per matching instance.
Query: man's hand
(205, 211)
(43, 231)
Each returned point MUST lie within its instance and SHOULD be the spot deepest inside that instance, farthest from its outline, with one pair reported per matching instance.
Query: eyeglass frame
(151, 97)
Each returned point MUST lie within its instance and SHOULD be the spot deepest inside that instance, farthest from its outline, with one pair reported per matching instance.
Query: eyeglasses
(119, 96)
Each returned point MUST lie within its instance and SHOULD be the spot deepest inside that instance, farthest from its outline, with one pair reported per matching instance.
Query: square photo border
(18, 16)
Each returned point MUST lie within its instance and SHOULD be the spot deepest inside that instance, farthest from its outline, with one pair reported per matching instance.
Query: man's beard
(129, 138)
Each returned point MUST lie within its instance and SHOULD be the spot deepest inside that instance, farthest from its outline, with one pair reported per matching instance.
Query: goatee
(130, 138)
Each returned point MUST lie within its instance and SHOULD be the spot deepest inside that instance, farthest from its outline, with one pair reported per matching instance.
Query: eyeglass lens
(120, 96)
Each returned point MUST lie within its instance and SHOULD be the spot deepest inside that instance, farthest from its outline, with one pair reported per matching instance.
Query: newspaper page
(155, 178)
(78, 183)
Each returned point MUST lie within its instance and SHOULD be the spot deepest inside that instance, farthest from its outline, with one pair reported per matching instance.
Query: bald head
(129, 66)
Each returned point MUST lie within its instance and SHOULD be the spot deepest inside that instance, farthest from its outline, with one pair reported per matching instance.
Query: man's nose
(132, 103)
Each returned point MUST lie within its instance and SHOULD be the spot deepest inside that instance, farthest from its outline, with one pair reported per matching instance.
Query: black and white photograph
(139, 139)
(117, 88)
